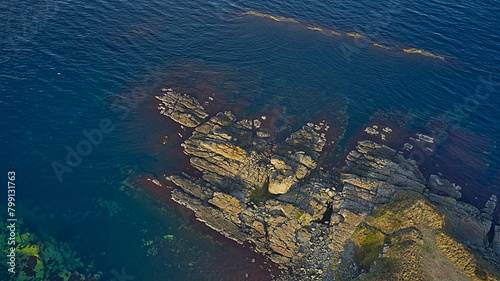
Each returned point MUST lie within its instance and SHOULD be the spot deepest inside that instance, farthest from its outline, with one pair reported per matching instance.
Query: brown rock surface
(183, 109)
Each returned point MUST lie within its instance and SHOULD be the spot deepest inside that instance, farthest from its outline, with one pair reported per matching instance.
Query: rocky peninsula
(375, 218)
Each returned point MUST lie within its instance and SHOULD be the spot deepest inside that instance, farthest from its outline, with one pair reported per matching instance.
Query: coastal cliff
(377, 218)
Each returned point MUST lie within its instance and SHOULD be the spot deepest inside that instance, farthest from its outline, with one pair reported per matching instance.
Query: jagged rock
(371, 131)
(262, 134)
(183, 109)
(283, 173)
(407, 147)
(192, 186)
(495, 243)
(256, 123)
(229, 205)
(374, 173)
(425, 138)
(443, 201)
(443, 187)
(282, 238)
(308, 139)
(489, 207)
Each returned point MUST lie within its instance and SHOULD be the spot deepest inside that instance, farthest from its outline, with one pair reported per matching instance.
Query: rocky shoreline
(315, 223)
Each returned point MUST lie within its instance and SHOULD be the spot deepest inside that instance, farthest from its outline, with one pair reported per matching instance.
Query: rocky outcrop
(252, 189)
(276, 195)
(409, 239)
(183, 109)
(371, 177)
(442, 187)
(495, 244)
(374, 177)
(470, 225)
(235, 160)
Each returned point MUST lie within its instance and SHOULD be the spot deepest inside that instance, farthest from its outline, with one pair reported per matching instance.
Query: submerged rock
(41, 257)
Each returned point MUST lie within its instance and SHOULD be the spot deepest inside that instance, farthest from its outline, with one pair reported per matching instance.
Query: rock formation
(183, 109)
(314, 223)
(252, 189)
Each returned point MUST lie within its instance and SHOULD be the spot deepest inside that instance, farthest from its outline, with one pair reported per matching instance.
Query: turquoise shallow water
(63, 64)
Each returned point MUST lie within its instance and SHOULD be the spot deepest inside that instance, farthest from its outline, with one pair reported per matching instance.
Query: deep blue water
(63, 63)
